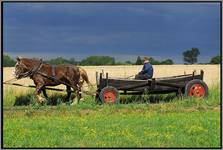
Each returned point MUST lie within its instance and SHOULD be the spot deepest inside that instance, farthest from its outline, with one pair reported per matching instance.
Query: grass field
(177, 123)
(166, 123)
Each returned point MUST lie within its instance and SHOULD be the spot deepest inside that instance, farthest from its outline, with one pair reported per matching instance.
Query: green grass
(176, 123)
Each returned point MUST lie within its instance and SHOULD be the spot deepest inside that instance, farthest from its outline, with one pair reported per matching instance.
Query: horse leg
(68, 93)
(44, 93)
(38, 91)
(78, 95)
(80, 85)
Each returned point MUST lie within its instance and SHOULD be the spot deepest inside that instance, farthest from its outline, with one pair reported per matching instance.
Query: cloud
(92, 39)
(137, 10)
(100, 28)
(85, 8)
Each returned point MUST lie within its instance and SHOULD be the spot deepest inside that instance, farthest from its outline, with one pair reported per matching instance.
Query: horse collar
(34, 70)
(53, 70)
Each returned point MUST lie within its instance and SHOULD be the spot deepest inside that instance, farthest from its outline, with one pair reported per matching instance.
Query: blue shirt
(147, 69)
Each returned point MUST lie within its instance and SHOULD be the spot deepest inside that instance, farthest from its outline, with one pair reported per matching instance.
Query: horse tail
(84, 76)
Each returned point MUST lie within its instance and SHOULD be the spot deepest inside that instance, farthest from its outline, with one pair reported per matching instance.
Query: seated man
(147, 71)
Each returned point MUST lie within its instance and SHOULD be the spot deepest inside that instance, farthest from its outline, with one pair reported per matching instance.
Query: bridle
(32, 71)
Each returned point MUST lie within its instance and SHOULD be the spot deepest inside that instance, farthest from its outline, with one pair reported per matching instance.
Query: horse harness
(33, 71)
(36, 69)
(53, 70)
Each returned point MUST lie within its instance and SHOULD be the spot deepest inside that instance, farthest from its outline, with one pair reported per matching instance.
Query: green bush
(8, 61)
(98, 60)
(61, 60)
(215, 60)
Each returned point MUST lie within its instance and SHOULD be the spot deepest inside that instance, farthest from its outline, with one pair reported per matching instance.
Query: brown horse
(83, 78)
(48, 75)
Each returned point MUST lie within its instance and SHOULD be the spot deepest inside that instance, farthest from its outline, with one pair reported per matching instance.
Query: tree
(124, 63)
(139, 61)
(98, 60)
(154, 62)
(157, 62)
(190, 56)
(128, 62)
(167, 62)
(61, 60)
(8, 61)
(73, 61)
(215, 60)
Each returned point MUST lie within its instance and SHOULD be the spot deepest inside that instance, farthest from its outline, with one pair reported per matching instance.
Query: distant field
(211, 72)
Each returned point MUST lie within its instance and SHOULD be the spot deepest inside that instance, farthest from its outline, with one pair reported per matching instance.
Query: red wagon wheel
(109, 94)
(196, 88)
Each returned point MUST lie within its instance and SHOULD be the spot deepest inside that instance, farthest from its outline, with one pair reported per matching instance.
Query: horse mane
(31, 59)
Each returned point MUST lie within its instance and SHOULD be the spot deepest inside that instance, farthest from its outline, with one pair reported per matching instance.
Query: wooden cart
(109, 89)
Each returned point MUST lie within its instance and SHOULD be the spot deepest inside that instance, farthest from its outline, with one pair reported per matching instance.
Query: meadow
(166, 122)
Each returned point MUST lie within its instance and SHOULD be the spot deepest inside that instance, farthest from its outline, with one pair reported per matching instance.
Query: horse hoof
(41, 100)
(63, 104)
(73, 103)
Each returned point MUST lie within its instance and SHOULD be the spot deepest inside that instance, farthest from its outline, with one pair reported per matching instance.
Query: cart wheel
(196, 88)
(109, 94)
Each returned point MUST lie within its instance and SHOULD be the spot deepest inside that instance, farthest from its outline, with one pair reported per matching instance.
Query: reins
(53, 78)
(129, 76)
(26, 74)
(35, 70)
(9, 81)
(48, 88)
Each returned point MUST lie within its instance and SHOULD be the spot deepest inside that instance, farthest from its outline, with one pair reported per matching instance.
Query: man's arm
(143, 69)
(147, 68)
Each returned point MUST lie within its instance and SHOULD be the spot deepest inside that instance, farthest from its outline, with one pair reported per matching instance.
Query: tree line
(89, 61)
(189, 57)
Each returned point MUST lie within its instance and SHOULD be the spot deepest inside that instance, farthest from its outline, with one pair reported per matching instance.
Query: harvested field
(211, 72)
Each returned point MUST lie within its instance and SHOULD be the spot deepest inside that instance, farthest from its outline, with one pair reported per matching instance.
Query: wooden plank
(106, 79)
(156, 84)
(100, 81)
(202, 74)
(174, 77)
(131, 87)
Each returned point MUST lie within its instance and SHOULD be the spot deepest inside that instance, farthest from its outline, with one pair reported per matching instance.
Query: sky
(120, 30)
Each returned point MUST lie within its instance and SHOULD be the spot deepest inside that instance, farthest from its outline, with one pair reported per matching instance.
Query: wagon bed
(114, 86)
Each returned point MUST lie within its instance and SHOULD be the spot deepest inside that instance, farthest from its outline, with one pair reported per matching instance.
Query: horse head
(24, 66)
